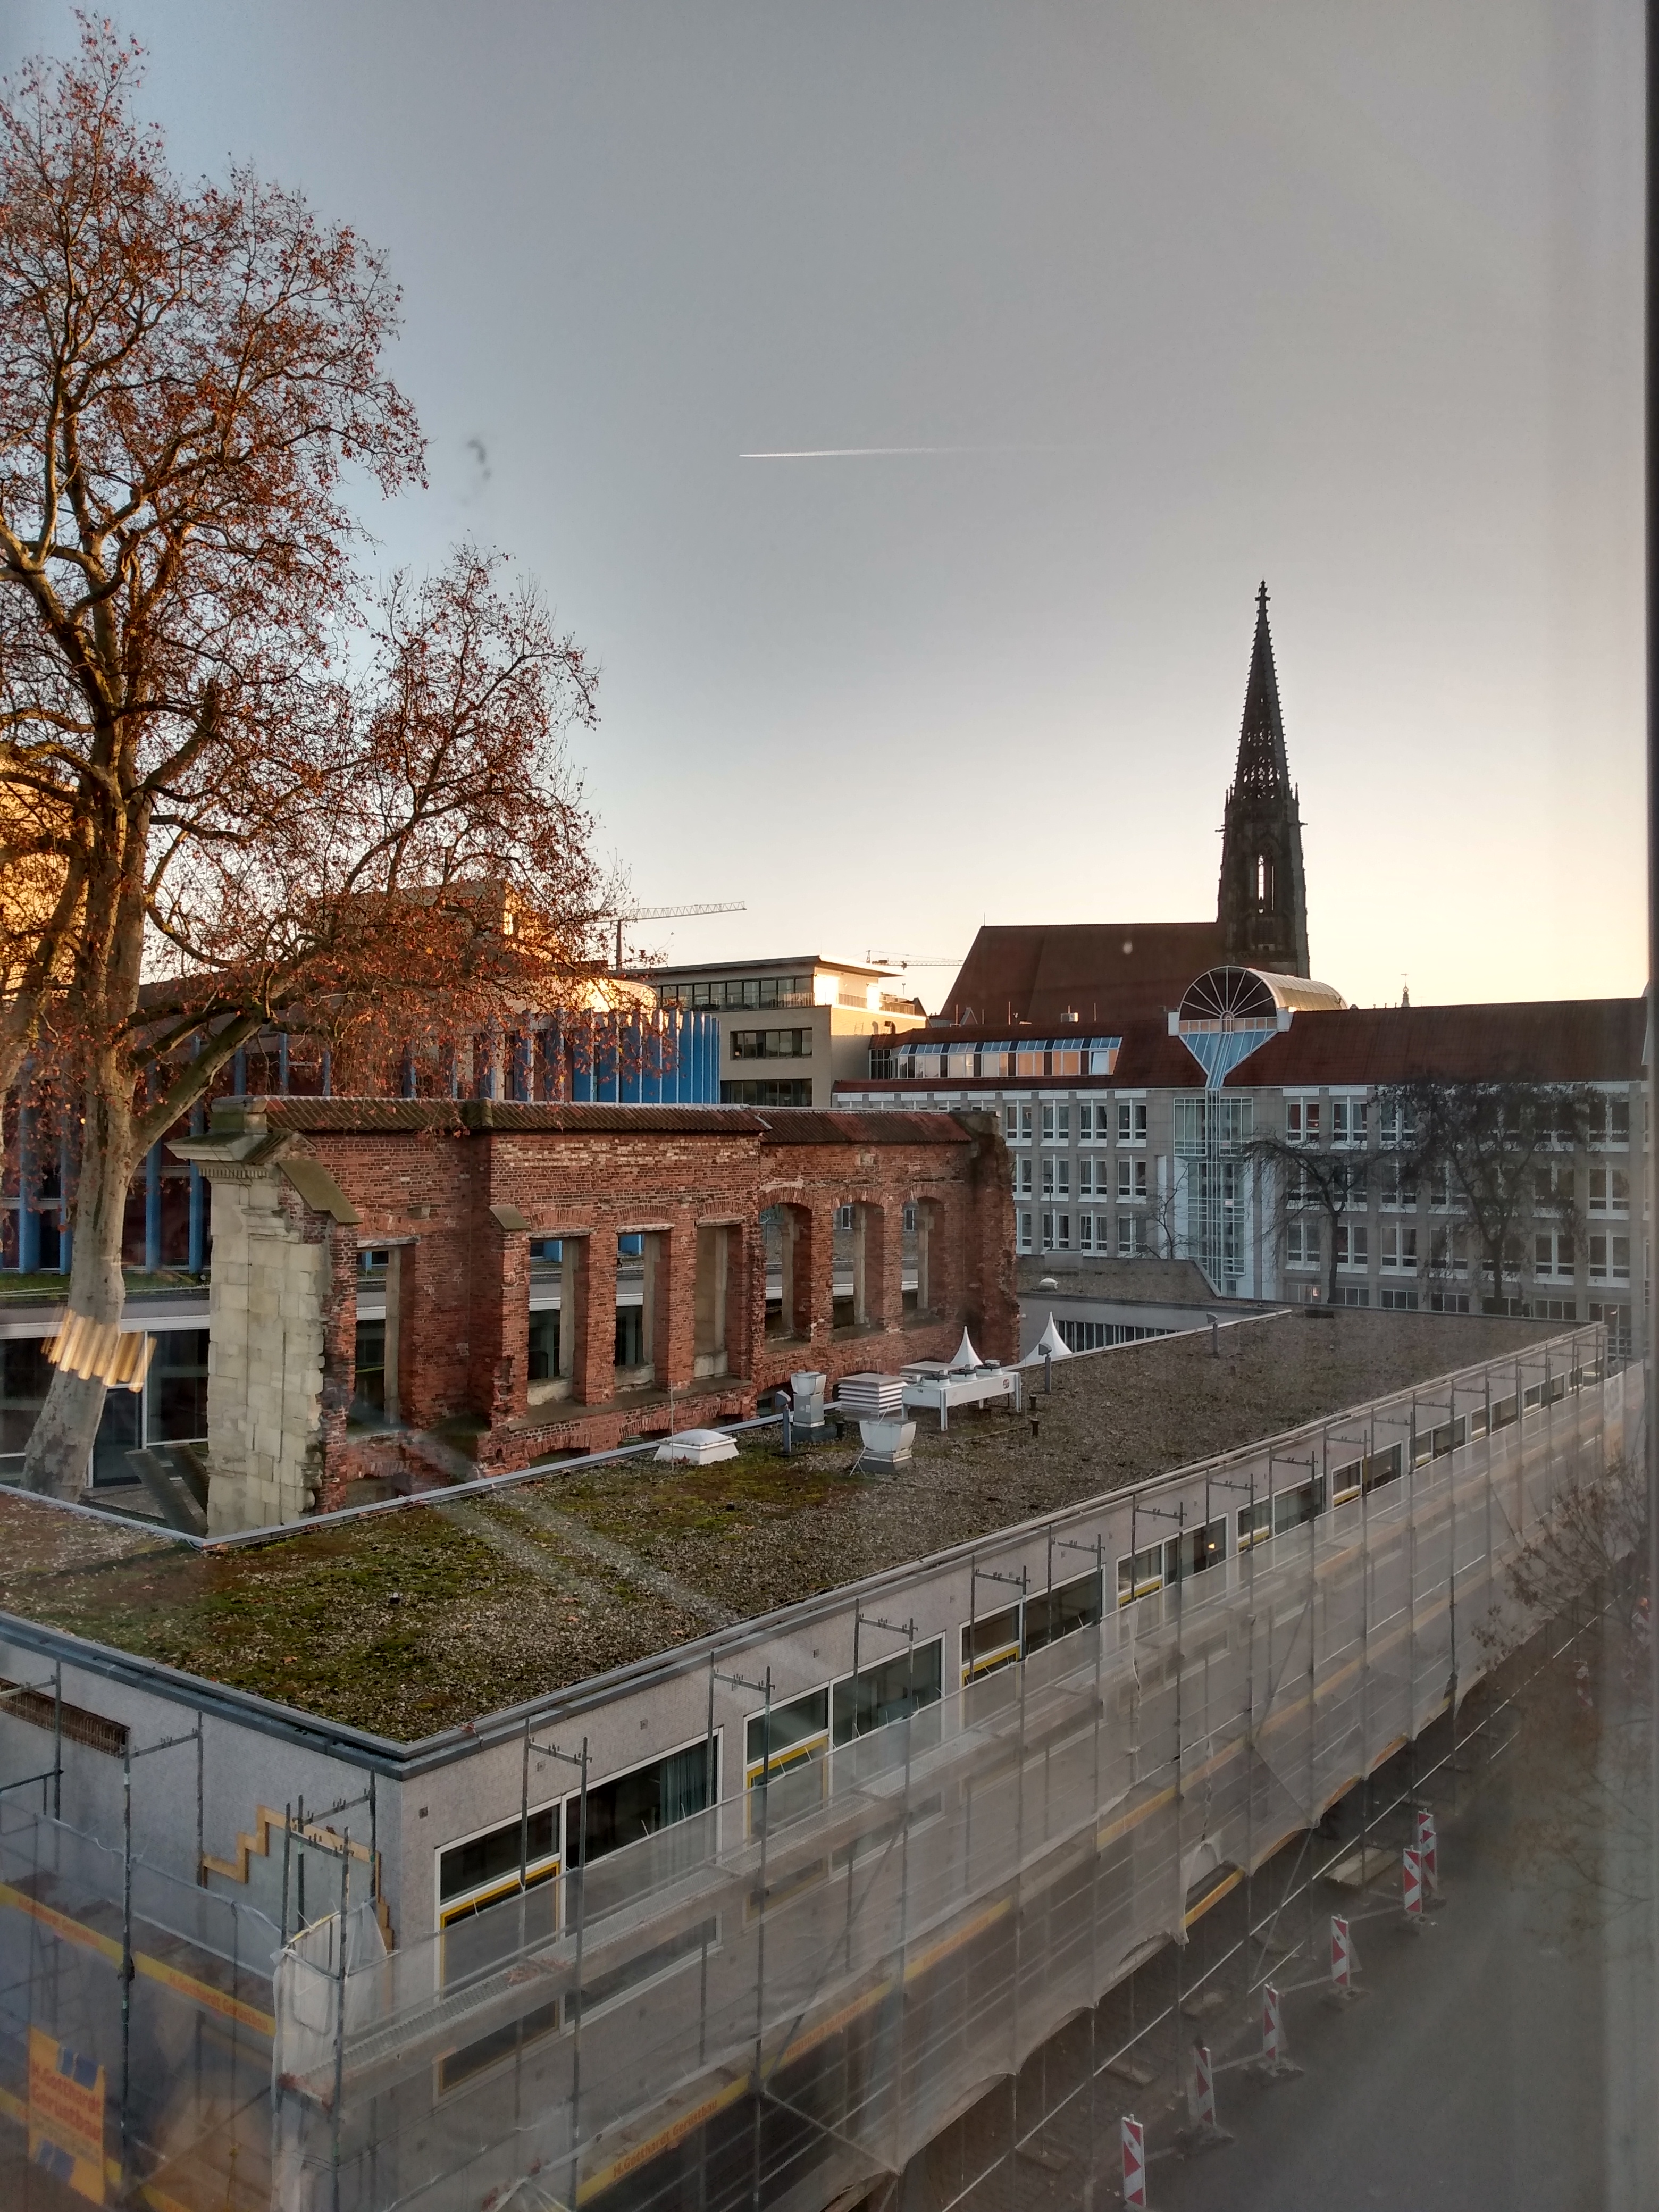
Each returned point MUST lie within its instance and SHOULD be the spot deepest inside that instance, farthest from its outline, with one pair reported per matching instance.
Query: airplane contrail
(858, 452)
(880, 453)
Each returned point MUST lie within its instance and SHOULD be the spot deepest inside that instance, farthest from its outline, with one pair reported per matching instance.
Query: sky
(1159, 298)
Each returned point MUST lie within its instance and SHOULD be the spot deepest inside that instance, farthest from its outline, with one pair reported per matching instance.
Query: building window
(640, 1802)
(1023, 1232)
(1131, 1237)
(1396, 1124)
(1132, 1121)
(1349, 1120)
(1302, 1244)
(1301, 1122)
(1017, 1124)
(1057, 1178)
(767, 1094)
(1022, 1178)
(1609, 1259)
(1552, 1254)
(1616, 1321)
(1086, 1232)
(1353, 1245)
(1086, 1172)
(1399, 1246)
(1609, 1190)
(1086, 1122)
(1057, 1125)
(1399, 1188)
(1446, 1254)
(1440, 1190)
(1609, 1122)
(1399, 1301)
(1132, 1182)
(771, 1044)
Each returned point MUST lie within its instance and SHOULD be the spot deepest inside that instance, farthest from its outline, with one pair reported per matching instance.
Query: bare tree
(1506, 1154)
(1311, 1181)
(228, 813)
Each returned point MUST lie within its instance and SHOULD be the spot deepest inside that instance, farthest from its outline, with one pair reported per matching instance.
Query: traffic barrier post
(1274, 2064)
(1202, 2132)
(1428, 1850)
(1411, 1889)
(1134, 2165)
(1345, 1961)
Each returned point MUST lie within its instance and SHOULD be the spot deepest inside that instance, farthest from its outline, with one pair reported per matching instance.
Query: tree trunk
(1330, 1272)
(58, 1458)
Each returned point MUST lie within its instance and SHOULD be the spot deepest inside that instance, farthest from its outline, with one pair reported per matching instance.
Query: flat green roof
(410, 1622)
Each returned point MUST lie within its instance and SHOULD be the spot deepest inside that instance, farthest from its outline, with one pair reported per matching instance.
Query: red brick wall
(427, 1174)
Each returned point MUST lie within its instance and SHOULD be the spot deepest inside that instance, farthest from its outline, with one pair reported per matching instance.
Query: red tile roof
(1552, 1041)
(1105, 974)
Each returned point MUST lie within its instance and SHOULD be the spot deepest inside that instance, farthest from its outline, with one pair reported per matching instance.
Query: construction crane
(914, 959)
(664, 914)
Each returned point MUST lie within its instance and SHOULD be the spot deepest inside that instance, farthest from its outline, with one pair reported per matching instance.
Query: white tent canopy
(1050, 1345)
(966, 1357)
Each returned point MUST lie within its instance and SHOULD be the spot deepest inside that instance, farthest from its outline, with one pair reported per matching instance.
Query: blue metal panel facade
(666, 1058)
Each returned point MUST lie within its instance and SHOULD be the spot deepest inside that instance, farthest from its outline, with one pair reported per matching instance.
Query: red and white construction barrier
(1203, 2131)
(1411, 1886)
(1203, 2088)
(1341, 1956)
(1427, 1849)
(1275, 2063)
(1134, 2165)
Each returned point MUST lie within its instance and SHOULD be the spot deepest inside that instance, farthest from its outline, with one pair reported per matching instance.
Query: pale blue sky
(1340, 294)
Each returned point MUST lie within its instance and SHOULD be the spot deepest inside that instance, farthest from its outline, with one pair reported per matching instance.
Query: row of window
(771, 1044)
(1098, 1335)
(1096, 1121)
(933, 1062)
(1447, 1250)
(774, 1093)
(1173, 1559)
(1125, 1179)
(1339, 1121)
(739, 992)
(1398, 1188)
(1084, 1232)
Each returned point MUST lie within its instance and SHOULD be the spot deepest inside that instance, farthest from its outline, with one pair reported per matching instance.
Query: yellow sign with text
(66, 2115)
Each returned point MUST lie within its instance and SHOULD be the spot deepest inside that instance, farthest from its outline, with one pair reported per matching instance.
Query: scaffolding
(781, 1999)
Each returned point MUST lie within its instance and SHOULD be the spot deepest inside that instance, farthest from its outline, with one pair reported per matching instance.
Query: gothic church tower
(1263, 904)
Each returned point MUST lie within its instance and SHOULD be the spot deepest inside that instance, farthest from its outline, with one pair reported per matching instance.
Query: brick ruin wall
(460, 1195)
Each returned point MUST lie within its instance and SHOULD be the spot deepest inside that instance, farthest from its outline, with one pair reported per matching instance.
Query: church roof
(1560, 1041)
(1263, 770)
(1053, 975)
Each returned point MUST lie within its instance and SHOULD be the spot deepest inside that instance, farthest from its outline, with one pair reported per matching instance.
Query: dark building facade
(1262, 909)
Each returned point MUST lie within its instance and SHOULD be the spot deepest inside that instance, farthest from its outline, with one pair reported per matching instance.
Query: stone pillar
(594, 1377)
(677, 1254)
(498, 1325)
(283, 1317)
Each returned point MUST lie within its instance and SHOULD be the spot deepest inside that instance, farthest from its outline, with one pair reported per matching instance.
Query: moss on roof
(409, 1622)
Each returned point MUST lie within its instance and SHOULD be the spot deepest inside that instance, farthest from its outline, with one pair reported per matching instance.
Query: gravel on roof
(414, 1621)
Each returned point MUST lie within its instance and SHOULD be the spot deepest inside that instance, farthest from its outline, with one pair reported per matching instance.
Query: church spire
(1262, 765)
(1262, 905)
